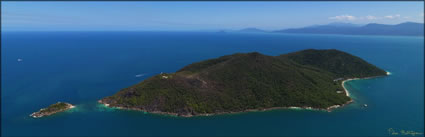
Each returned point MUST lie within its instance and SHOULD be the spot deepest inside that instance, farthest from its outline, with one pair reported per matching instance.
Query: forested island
(52, 109)
(248, 82)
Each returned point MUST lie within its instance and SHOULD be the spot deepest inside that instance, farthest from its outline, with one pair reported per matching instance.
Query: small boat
(365, 105)
(19, 60)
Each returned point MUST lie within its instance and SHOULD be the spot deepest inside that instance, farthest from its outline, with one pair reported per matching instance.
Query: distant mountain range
(337, 24)
(405, 29)
(252, 30)
(402, 29)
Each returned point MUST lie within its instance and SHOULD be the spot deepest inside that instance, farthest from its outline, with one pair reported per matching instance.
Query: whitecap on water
(140, 75)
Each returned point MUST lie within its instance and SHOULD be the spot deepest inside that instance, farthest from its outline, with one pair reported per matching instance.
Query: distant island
(52, 109)
(311, 79)
(402, 29)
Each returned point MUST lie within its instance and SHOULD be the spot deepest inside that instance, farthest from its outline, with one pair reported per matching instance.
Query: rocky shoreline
(328, 109)
(52, 109)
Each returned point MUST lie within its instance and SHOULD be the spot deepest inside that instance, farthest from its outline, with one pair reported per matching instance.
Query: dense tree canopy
(240, 82)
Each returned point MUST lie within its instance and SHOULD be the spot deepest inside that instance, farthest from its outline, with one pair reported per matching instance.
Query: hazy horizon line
(183, 30)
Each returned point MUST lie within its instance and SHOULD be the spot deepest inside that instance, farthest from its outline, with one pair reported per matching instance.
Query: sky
(199, 16)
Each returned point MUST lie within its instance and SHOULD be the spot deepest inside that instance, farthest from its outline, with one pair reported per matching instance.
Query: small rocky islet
(52, 109)
(241, 82)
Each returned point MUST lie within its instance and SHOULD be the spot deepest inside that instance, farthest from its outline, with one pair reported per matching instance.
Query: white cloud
(370, 17)
(396, 16)
(343, 17)
(373, 18)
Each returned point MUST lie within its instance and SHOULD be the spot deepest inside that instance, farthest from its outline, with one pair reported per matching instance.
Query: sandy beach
(347, 93)
(345, 89)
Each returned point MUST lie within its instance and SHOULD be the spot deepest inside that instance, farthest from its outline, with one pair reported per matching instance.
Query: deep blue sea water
(83, 67)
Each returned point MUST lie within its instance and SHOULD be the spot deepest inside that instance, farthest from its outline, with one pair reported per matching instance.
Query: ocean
(83, 67)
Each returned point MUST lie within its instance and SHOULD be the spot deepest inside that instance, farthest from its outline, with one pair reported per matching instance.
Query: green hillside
(241, 82)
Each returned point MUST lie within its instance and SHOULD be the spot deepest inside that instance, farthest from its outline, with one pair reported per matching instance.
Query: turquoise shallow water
(82, 67)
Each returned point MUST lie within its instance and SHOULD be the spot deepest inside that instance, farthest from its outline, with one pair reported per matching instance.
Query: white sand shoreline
(345, 89)
(347, 93)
